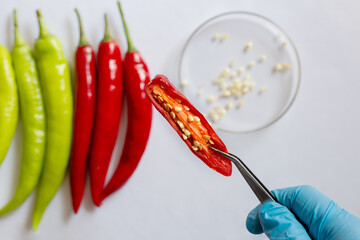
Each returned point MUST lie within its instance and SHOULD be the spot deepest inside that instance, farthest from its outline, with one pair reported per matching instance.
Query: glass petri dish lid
(241, 70)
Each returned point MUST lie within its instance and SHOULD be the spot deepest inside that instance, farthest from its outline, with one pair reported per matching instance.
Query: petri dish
(230, 52)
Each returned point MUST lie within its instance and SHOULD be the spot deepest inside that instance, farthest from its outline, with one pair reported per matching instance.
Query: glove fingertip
(253, 224)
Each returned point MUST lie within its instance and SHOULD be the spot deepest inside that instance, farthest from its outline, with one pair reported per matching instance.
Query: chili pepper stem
(18, 38)
(83, 41)
(107, 36)
(43, 29)
(131, 47)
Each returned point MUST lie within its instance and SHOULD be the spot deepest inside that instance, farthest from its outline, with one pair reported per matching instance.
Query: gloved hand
(312, 216)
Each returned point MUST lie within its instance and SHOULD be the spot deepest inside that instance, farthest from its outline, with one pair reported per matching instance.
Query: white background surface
(173, 195)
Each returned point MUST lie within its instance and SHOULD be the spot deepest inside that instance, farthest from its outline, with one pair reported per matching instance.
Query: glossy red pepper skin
(209, 157)
(83, 121)
(108, 112)
(136, 77)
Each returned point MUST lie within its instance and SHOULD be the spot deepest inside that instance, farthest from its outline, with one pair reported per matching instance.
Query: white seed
(224, 37)
(225, 72)
(172, 114)
(197, 119)
(284, 43)
(167, 107)
(247, 77)
(200, 147)
(181, 125)
(160, 98)
(233, 62)
(186, 108)
(206, 137)
(286, 66)
(226, 93)
(263, 57)
(190, 118)
(187, 133)
(229, 105)
(263, 89)
(200, 92)
(218, 107)
(233, 91)
(234, 74)
(251, 64)
(216, 36)
(249, 45)
(253, 84)
(211, 99)
(194, 148)
(245, 90)
(184, 137)
(177, 100)
(184, 83)
(223, 85)
(196, 143)
(215, 117)
(241, 69)
(239, 104)
(246, 83)
(222, 113)
(178, 109)
(278, 66)
(211, 142)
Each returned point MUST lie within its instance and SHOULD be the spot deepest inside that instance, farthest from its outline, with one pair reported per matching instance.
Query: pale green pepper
(9, 105)
(56, 88)
(33, 121)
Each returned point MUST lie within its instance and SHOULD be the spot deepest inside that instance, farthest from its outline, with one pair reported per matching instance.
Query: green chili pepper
(55, 82)
(9, 105)
(33, 121)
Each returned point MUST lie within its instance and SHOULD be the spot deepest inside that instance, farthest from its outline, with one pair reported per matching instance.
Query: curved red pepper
(189, 123)
(84, 116)
(136, 76)
(108, 112)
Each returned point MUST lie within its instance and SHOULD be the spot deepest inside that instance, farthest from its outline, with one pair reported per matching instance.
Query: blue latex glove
(316, 217)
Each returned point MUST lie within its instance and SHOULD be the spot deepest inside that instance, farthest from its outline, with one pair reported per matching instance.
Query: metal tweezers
(261, 192)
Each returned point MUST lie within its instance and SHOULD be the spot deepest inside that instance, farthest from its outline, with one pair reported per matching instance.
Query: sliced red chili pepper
(189, 123)
(109, 96)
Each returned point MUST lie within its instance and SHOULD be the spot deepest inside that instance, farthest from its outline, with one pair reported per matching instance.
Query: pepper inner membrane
(189, 124)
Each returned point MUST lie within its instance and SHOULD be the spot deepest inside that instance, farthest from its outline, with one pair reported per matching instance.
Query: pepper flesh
(83, 116)
(9, 106)
(136, 76)
(55, 82)
(109, 97)
(33, 121)
(189, 123)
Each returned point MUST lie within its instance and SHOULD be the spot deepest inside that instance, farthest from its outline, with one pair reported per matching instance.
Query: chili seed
(249, 45)
(286, 66)
(184, 137)
(184, 83)
(160, 99)
(172, 114)
(197, 119)
(241, 69)
(240, 104)
(190, 118)
(278, 66)
(211, 142)
(187, 133)
(194, 148)
(178, 100)
(196, 143)
(186, 108)
(181, 125)
(168, 107)
(206, 137)
(263, 57)
(178, 109)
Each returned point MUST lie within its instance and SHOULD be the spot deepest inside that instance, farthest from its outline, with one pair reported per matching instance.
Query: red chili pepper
(189, 123)
(136, 76)
(84, 116)
(109, 98)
